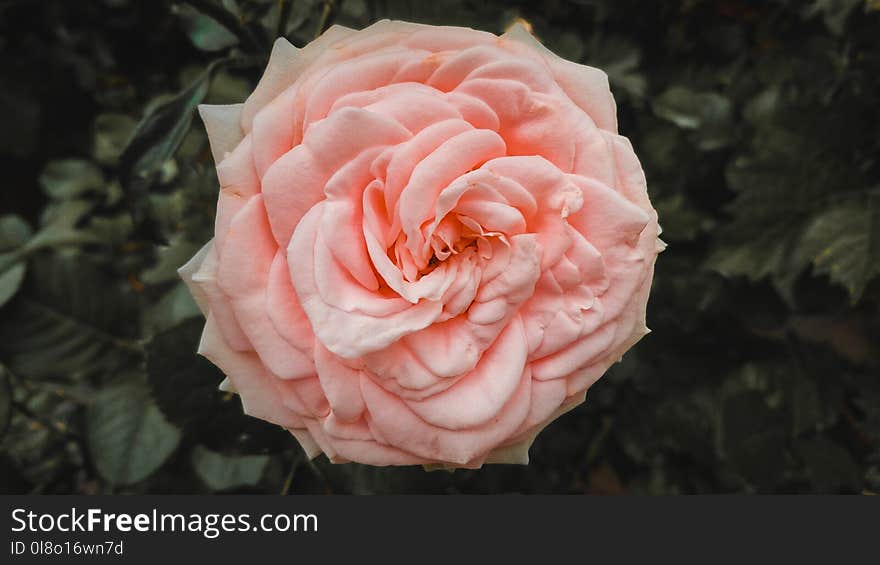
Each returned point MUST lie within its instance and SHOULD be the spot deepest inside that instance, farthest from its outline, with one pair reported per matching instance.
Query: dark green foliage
(757, 125)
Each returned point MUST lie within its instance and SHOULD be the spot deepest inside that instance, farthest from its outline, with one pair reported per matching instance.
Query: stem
(288, 482)
(326, 19)
(284, 7)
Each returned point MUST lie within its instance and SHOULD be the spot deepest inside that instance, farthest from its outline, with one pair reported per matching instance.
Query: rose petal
(478, 397)
(259, 397)
(347, 334)
(286, 63)
(341, 385)
(403, 428)
(587, 86)
(223, 124)
(295, 182)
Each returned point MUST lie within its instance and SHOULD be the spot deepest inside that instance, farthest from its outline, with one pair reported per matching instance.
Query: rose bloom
(429, 243)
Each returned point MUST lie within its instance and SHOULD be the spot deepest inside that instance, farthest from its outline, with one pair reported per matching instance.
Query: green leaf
(620, 58)
(111, 132)
(69, 322)
(768, 254)
(170, 258)
(707, 113)
(174, 307)
(205, 32)
(12, 273)
(228, 89)
(69, 178)
(221, 472)
(161, 131)
(844, 243)
(680, 106)
(60, 225)
(14, 232)
(225, 14)
(777, 197)
(128, 436)
(110, 230)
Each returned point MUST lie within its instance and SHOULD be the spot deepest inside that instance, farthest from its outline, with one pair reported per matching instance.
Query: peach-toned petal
(402, 427)
(347, 334)
(205, 279)
(341, 450)
(286, 64)
(341, 385)
(308, 444)
(587, 86)
(451, 159)
(283, 306)
(479, 396)
(362, 73)
(237, 173)
(295, 182)
(243, 274)
(254, 385)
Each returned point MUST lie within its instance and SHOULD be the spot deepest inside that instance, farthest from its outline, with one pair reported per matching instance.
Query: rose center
(453, 236)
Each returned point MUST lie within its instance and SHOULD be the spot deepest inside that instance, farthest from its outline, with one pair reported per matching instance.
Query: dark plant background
(756, 122)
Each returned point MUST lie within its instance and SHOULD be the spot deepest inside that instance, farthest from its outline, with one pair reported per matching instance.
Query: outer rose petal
(259, 396)
(189, 269)
(223, 124)
(286, 63)
(479, 396)
(586, 86)
(401, 427)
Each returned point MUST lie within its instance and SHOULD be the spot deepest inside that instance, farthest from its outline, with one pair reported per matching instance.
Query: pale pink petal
(347, 334)
(237, 173)
(479, 396)
(243, 274)
(189, 269)
(340, 450)
(283, 306)
(295, 182)
(576, 355)
(259, 397)
(205, 279)
(403, 428)
(366, 72)
(587, 86)
(308, 444)
(223, 124)
(451, 159)
(341, 385)
(286, 64)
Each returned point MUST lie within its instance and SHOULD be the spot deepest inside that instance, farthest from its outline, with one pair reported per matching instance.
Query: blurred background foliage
(757, 125)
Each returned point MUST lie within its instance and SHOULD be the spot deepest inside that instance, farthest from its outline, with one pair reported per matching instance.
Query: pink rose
(430, 241)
